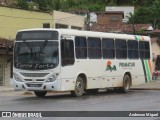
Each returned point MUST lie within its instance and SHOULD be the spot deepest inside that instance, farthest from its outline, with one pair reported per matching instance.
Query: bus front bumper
(33, 86)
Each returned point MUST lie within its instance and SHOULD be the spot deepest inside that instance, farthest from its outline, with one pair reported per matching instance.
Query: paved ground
(153, 85)
(141, 97)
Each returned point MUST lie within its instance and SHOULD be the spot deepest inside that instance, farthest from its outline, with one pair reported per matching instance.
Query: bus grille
(34, 85)
(34, 74)
(38, 80)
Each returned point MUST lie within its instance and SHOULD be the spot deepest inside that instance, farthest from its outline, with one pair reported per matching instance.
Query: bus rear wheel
(40, 94)
(79, 88)
(126, 85)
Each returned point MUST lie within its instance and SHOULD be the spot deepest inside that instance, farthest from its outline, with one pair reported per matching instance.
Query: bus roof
(73, 32)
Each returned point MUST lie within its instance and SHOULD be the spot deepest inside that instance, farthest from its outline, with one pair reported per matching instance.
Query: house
(13, 19)
(127, 10)
(68, 20)
(6, 53)
(110, 17)
(155, 41)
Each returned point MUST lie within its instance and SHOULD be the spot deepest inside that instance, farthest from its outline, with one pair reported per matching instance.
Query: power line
(37, 18)
(24, 17)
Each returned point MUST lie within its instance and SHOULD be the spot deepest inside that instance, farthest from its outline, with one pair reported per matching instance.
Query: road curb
(145, 88)
(6, 90)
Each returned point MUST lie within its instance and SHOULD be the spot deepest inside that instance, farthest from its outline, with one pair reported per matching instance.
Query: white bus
(79, 61)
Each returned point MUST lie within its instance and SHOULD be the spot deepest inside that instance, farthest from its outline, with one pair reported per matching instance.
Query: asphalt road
(139, 100)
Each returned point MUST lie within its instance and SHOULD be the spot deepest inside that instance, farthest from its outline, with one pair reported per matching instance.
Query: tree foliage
(66, 5)
(149, 13)
(23, 4)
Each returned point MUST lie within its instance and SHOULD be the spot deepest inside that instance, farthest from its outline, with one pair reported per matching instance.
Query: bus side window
(121, 49)
(67, 52)
(132, 49)
(81, 47)
(94, 48)
(144, 50)
(108, 48)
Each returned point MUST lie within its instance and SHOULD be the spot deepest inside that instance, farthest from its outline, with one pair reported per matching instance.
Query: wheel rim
(127, 83)
(79, 87)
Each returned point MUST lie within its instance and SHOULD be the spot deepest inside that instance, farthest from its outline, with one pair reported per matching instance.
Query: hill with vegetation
(91, 5)
(146, 11)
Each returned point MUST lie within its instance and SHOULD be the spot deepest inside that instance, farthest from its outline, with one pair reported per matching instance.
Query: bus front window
(38, 55)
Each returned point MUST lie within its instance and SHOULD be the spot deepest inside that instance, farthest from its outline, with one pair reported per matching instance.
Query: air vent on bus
(34, 74)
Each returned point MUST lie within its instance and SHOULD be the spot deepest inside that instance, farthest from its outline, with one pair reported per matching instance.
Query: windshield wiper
(27, 45)
(43, 46)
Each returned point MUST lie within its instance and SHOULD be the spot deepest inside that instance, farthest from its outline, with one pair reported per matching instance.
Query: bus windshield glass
(38, 55)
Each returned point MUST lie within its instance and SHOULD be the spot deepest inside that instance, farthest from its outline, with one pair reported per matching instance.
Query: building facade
(6, 62)
(12, 20)
(111, 18)
(68, 20)
(126, 9)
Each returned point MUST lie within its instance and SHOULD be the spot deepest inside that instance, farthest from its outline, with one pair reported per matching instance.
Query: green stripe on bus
(147, 70)
(136, 37)
(144, 70)
(139, 38)
(145, 63)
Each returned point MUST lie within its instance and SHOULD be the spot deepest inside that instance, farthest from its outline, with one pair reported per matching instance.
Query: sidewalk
(153, 85)
(6, 89)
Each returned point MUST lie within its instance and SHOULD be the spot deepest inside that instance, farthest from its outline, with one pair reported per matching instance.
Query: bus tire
(126, 84)
(40, 94)
(79, 88)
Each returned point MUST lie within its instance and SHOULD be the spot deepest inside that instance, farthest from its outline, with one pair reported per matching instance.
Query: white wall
(68, 19)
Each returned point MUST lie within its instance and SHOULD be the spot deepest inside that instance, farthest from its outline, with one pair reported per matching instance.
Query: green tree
(42, 4)
(148, 14)
(23, 4)
(155, 8)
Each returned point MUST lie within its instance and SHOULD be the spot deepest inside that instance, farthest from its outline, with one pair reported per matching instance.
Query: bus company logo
(110, 67)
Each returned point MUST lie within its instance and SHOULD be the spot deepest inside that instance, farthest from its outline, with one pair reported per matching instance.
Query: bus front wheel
(79, 88)
(40, 94)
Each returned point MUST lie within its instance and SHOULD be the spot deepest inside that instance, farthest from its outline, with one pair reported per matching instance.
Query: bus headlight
(17, 77)
(52, 78)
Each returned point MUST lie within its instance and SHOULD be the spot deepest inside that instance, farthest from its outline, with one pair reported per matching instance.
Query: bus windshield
(37, 55)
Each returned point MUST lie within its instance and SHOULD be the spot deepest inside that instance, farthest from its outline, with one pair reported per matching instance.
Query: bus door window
(67, 52)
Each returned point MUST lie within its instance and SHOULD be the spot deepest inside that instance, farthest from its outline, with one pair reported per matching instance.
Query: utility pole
(134, 1)
(88, 21)
(133, 25)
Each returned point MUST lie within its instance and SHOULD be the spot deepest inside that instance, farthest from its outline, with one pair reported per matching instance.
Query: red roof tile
(123, 28)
